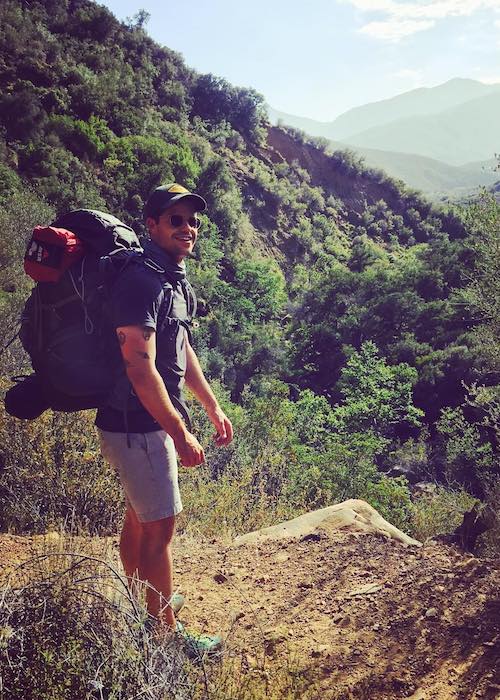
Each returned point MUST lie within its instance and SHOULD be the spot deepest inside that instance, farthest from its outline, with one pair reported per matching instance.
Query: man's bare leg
(155, 567)
(130, 544)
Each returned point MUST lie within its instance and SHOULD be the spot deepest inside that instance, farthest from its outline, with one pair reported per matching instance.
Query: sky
(320, 58)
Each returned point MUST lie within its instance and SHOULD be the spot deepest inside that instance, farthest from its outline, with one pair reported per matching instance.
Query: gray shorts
(148, 472)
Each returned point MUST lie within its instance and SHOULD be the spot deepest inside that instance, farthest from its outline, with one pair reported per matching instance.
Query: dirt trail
(363, 616)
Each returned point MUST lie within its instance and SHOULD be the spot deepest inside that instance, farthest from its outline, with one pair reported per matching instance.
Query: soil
(363, 617)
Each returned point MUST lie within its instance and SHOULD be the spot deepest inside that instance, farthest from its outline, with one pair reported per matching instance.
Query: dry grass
(440, 512)
(70, 629)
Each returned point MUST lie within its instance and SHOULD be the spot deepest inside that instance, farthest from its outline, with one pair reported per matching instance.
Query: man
(141, 441)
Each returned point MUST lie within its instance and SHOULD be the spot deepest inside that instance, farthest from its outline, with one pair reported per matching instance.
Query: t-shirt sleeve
(135, 299)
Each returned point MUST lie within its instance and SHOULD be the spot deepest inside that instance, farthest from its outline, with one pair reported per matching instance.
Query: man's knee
(158, 534)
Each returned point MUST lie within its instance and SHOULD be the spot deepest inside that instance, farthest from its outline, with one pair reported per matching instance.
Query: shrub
(53, 475)
(440, 513)
(391, 497)
(18, 216)
(468, 457)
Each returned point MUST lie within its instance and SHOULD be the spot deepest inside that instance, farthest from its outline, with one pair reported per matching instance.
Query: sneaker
(198, 646)
(176, 602)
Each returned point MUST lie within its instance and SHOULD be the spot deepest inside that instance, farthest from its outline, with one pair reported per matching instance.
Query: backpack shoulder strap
(191, 302)
(166, 283)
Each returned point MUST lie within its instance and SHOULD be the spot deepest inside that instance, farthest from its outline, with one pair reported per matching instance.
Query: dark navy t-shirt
(139, 298)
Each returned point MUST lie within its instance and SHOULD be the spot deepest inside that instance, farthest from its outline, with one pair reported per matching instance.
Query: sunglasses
(176, 220)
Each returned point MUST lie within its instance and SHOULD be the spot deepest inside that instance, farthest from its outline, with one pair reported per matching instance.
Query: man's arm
(138, 347)
(195, 380)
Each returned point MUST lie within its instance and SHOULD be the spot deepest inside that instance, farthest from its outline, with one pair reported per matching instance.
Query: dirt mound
(363, 617)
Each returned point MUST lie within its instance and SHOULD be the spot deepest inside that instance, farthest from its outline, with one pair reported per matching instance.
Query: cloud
(395, 29)
(404, 19)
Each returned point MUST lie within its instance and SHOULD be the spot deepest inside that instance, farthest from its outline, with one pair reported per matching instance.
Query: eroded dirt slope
(364, 617)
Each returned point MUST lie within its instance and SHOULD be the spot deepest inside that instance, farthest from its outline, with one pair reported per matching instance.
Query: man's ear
(151, 223)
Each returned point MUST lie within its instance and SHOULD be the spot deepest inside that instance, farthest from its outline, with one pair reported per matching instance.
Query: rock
(251, 661)
(423, 488)
(355, 515)
(366, 589)
(431, 613)
(220, 578)
(409, 471)
(281, 557)
(320, 650)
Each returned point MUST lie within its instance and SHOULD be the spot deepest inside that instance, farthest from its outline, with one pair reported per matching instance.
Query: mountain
(458, 135)
(419, 102)
(434, 139)
(433, 177)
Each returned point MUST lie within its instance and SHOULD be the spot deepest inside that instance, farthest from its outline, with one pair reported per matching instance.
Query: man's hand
(189, 449)
(222, 425)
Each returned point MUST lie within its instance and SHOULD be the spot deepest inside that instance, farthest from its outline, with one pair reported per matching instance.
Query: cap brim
(199, 202)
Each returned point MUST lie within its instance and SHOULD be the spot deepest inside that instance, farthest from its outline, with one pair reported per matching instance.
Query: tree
(483, 292)
(377, 396)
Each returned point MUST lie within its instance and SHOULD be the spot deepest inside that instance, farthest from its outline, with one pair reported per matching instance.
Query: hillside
(425, 174)
(350, 615)
(433, 177)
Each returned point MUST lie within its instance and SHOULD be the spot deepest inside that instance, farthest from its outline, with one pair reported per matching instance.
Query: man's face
(177, 240)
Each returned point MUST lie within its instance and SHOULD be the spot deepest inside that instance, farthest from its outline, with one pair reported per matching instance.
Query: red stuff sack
(50, 252)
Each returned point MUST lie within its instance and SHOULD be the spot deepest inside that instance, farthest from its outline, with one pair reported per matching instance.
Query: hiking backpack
(63, 328)
(65, 324)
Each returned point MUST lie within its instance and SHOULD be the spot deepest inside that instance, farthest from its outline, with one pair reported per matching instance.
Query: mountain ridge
(421, 101)
(458, 135)
(441, 100)
(445, 160)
